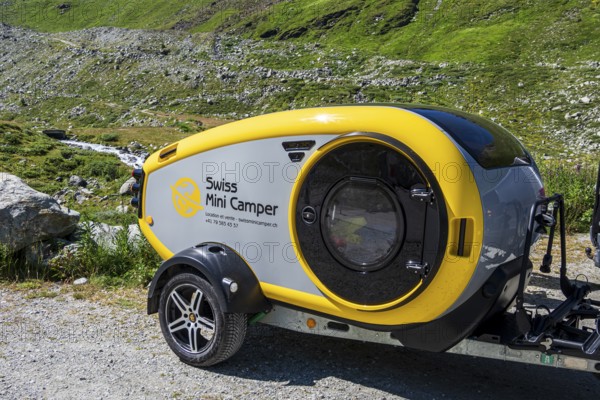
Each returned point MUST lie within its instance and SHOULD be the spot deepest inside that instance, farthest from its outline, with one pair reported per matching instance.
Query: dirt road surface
(68, 347)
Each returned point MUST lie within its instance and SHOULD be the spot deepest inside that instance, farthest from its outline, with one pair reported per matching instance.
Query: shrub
(4, 127)
(85, 138)
(7, 262)
(577, 186)
(102, 169)
(31, 173)
(11, 138)
(110, 217)
(132, 263)
(66, 153)
(69, 165)
(9, 149)
(36, 149)
(183, 127)
(109, 137)
(13, 266)
(89, 120)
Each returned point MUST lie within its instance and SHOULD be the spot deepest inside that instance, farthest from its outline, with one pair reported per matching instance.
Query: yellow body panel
(434, 147)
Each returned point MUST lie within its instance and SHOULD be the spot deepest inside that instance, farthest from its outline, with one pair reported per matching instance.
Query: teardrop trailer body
(404, 225)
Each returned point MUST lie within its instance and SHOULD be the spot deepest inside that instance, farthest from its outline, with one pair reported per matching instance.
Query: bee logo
(186, 197)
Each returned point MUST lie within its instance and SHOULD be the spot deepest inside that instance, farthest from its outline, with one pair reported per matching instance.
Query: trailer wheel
(193, 324)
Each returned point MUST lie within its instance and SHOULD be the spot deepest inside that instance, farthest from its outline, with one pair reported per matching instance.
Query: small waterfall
(131, 159)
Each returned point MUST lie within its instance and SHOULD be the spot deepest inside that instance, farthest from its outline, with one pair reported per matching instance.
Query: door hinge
(422, 194)
(418, 267)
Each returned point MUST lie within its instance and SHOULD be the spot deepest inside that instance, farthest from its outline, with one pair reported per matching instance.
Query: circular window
(362, 224)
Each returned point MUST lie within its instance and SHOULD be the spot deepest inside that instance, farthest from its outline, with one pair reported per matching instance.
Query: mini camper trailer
(407, 225)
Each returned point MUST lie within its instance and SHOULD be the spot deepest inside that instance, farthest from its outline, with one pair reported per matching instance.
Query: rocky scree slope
(105, 77)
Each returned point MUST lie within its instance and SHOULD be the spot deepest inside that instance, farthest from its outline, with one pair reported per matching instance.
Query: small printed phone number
(228, 224)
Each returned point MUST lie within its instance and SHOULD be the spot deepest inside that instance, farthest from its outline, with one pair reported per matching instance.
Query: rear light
(137, 173)
(136, 188)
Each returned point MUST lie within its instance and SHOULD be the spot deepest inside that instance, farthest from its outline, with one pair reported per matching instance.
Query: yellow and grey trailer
(402, 224)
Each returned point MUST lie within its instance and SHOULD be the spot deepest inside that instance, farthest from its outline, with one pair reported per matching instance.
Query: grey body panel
(263, 174)
(507, 195)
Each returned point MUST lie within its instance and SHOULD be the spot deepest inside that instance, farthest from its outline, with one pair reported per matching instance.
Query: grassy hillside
(498, 31)
(57, 16)
(532, 65)
(46, 165)
(153, 71)
(456, 30)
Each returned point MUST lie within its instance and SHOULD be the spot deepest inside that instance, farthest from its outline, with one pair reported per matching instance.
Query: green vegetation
(41, 294)
(499, 31)
(72, 15)
(46, 164)
(109, 137)
(127, 262)
(576, 182)
(124, 136)
(527, 65)
(8, 264)
(125, 296)
(30, 284)
(39, 161)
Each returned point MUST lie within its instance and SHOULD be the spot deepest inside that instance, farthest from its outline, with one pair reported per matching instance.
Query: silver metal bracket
(422, 194)
(593, 342)
(418, 267)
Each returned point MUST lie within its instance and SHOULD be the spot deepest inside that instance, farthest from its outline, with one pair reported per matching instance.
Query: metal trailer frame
(297, 321)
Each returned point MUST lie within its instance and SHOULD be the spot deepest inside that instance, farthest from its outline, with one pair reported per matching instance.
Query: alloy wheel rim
(190, 318)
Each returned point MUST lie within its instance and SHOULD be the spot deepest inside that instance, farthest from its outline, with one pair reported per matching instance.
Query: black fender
(220, 266)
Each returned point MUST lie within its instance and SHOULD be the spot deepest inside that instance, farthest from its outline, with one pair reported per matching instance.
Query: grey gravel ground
(66, 348)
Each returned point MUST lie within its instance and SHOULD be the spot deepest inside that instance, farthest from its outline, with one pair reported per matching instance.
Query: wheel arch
(220, 266)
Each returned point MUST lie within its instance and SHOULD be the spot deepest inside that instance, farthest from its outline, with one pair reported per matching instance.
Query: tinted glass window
(489, 144)
(362, 224)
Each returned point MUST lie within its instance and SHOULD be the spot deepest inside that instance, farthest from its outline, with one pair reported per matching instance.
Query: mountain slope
(148, 69)
(429, 30)
(531, 65)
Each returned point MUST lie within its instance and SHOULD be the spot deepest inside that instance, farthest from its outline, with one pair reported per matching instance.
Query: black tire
(198, 332)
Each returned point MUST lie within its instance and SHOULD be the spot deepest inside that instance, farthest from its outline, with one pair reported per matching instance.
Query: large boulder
(28, 216)
(126, 187)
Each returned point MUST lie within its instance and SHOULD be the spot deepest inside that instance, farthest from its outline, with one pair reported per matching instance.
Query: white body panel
(259, 173)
